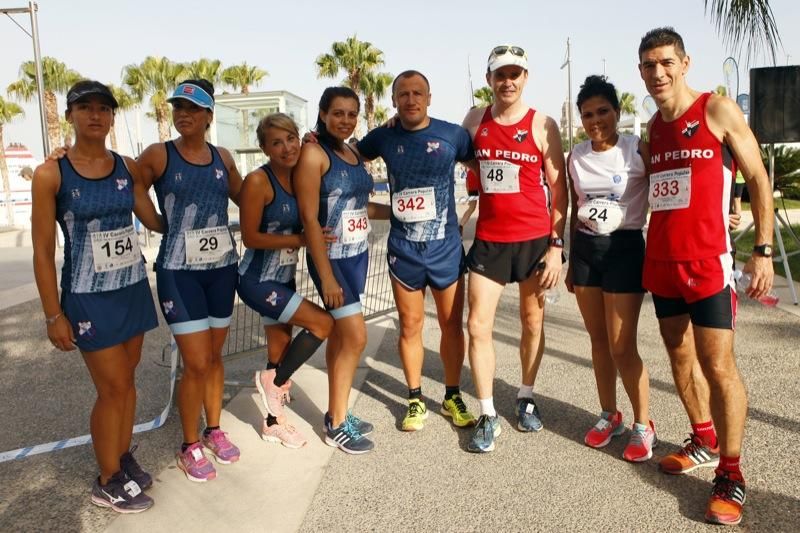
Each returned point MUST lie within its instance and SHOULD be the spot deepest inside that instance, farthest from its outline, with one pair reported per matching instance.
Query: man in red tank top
(688, 265)
(522, 207)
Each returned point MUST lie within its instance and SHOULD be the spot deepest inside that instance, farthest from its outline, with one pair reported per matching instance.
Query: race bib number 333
(207, 245)
(414, 205)
(670, 189)
(115, 249)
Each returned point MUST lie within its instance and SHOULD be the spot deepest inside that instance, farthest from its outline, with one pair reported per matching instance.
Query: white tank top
(611, 186)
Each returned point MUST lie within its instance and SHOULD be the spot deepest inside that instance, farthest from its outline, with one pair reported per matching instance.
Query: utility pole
(568, 63)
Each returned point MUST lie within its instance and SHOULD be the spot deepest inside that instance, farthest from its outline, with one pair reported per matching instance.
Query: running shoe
(287, 397)
(641, 444)
(694, 454)
(727, 499)
(220, 447)
(528, 417)
(605, 430)
(131, 468)
(272, 396)
(457, 411)
(416, 415)
(347, 438)
(363, 427)
(121, 494)
(194, 464)
(285, 434)
(486, 430)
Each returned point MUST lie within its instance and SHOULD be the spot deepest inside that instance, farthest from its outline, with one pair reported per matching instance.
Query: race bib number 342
(207, 245)
(414, 205)
(670, 189)
(115, 249)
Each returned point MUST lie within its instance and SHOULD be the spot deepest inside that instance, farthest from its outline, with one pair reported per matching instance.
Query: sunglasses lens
(500, 50)
(517, 51)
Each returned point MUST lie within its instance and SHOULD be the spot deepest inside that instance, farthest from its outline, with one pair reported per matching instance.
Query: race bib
(207, 245)
(115, 249)
(414, 205)
(288, 256)
(355, 225)
(601, 215)
(671, 189)
(499, 177)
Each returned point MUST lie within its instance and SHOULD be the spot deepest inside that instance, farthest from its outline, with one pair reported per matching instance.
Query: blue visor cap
(193, 93)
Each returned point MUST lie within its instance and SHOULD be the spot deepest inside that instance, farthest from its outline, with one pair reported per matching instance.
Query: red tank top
(514, 199)
(690, 187)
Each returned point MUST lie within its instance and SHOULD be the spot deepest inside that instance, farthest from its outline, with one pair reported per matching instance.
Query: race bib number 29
(671, 189)
(207, 245)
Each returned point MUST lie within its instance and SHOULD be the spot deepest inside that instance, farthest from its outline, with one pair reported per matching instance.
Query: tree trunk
(6, 185)
(245, 127)
(113, 134)
(162, 117)
(369, 111)
(53, 124)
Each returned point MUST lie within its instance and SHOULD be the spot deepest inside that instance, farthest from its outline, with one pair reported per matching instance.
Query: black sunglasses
(502, 50)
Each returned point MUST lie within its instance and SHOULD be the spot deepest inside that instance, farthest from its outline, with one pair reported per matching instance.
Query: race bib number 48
(355, 225)
(414, 205)
(671, 189)
(112, 250)
(499, 177)
(601, 215)
(207, 245)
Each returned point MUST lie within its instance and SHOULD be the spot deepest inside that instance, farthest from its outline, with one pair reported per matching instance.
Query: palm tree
(721, 90)
(241, 77)
(352, 56)
(205, 69)
(484, 96)
(8, 112)
(157, 77)
(745, 25)
(381, 114)
(374, 86)
(627, 104)
(126, 101)
(66, 131)
(56, 79)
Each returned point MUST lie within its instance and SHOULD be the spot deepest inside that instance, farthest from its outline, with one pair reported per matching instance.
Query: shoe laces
(691, 444)
(415, 409)
(130, 464)
(638, 437)
(353, 419)
(724, 487)
(350, 429)
(483, 426)
(219, 438)
(461, 407)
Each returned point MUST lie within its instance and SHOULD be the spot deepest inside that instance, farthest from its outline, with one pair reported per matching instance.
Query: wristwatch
(556, 242)
(764, 250)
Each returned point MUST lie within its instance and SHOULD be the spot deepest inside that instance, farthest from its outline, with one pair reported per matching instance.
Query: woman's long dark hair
(323, 135)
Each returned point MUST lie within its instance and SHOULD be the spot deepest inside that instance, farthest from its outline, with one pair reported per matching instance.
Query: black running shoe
(121, 494)
(132, 469)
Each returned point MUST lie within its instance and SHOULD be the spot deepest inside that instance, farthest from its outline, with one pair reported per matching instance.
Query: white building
(20, 162)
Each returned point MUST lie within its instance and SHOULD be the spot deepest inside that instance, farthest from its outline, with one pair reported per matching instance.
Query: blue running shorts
(196, 300)
(275, 302)
(351, 273)
(438, 263)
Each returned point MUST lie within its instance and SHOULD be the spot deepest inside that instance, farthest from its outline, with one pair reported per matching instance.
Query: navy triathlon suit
(424, 246)
(196, 263)
(104, 289)
(343, 196)
(267, 276)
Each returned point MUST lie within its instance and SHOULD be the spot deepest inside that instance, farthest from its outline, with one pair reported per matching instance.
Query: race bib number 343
(414, 205)
(112, 250)
(355, 225)
(207, 245)
(499, 177)
(671, 189)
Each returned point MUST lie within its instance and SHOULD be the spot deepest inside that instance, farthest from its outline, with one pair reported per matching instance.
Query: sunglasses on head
(502, 50)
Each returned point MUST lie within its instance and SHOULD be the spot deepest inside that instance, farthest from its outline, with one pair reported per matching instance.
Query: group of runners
(316, 194)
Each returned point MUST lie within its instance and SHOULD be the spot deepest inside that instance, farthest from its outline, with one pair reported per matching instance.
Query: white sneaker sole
(333, 444)
(277, 440)
(103, 503)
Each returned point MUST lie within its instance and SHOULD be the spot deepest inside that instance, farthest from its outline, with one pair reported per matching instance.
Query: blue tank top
(421, 166)
(280, 217)
(85, 207)
(191, 197)
(344, 189)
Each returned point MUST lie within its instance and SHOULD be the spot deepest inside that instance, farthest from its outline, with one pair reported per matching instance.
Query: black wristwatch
(556, 242)
(764, 250)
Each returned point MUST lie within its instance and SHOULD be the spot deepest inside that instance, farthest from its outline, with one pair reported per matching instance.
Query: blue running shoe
(528, 418)
(363, 427)
(486, 430)
(347, 438)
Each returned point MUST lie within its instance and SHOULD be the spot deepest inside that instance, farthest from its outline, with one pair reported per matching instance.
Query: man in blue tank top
(424, 247)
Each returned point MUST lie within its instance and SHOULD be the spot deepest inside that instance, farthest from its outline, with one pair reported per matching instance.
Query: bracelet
(52, 319)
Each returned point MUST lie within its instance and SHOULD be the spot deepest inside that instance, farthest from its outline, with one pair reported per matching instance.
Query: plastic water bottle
(551, 296)
(743, 282)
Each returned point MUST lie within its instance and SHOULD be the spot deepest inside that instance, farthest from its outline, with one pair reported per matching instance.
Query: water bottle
(551, 296)
(743, 282)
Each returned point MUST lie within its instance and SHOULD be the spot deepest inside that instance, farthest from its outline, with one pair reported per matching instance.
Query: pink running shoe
(605, 429)
(283, 433)
(220, 447)
(271, 394)
(195, 465)
(287, 398)
(640, 447)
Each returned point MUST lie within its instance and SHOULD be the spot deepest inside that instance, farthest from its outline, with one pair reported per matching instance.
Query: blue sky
(438, 38)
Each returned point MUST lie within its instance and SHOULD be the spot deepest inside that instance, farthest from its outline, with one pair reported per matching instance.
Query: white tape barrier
(157, 422)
